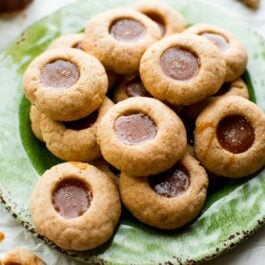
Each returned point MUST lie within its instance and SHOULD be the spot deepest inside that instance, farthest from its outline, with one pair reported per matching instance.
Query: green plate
(234, 209)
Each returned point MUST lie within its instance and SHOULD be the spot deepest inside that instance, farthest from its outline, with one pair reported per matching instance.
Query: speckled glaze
(234, 210)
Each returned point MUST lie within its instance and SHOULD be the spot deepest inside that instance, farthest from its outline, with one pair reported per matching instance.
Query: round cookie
(82, 206)
(130, 85)
(233, 51)
(74, 140)
(65, 84)
(20, 256)
(168, 200)
(230, 138)
(236, 88)
(119, 37)
(35, 118)
(141, 136)
(168, 19)
(73, 40)
(182, 69)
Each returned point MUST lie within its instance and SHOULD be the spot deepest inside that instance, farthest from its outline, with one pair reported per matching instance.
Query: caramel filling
(71, 198)
(135, 128)
(134, 87)
(235, 134)
(127, 30)
(172, 182)
(179, 64)
(217, 39)
(59, 74)
(83, 123)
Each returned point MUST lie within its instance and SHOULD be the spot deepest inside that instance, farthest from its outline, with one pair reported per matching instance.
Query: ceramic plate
(233, 210)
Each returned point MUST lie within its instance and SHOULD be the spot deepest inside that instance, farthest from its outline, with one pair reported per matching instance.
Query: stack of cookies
(160, 75)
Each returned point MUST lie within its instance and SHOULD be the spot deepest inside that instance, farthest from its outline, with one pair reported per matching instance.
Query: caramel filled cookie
(65, 84)
(130, 85)
(82, 206)
(230, 137)
(73, 40)
(170, 199)
(168, 19)
(141, 136)
(119, 37)
(182, 69)
(35, 118)
(74, 140)
(20, 256)
(233, 51)
(235, 88)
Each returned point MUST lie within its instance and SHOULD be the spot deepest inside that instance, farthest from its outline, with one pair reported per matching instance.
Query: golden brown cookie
(65, 84)
(233, 51)
(130, 85)
(82, 206)
(20, 256)
(182, 69)
(35, 118)
(73, 40)
(141, 136)
(169, 20)
(119, 37)
(230, 137)
(236, 88)
(74, 140)
(168, 200)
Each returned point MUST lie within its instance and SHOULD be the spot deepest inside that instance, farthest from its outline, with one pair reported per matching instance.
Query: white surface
(251, 252)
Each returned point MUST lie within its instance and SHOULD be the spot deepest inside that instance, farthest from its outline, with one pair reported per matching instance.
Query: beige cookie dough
(73, 40)
(21, 256)
(235, 88)
(169, 20)
(130, 85)
(35, 118)
(233, 51)
(119, 37)
(65, 84)
(182, 69)
(141, 136)
(82, 206)
(75, 140)
(168, 200)
(230, 137)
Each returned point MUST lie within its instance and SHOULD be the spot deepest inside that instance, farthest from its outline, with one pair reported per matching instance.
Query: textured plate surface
(234, 209)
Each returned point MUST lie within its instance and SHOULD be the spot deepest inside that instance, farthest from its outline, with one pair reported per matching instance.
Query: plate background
(230, 215)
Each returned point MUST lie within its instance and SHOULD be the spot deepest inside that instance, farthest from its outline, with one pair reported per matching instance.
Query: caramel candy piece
(135, 128)
(235, 134)
(179, 64)
(59, 74)
(127, 30)
(134, 87)
(171, 183)
(72, 198)
(217, 39)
